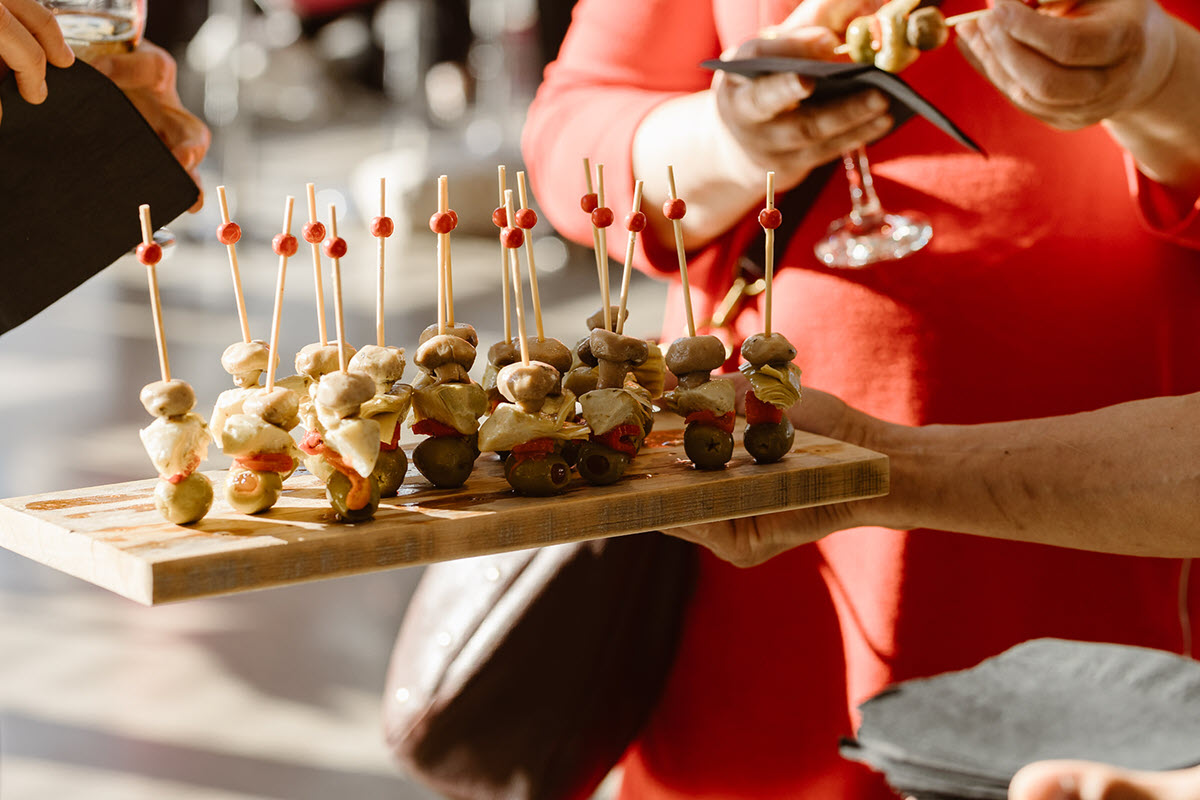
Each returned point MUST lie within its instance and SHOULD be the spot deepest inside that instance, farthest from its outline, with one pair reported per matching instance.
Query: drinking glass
(100, 27)
(868, 234)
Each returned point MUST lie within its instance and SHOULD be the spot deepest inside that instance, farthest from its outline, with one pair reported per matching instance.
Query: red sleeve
(620, 59)
(1165, 213)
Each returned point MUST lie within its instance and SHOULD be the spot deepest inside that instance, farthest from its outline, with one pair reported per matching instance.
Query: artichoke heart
(715, 396)
(246, 434)
(357, 441)
(174, 442)
(509, 426)
(780, 388)
(459, 405)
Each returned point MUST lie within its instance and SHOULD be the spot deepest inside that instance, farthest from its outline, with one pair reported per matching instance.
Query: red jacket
(1044, 291)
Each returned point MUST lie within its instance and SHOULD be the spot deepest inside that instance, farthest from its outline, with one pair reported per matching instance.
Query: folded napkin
(965, 734)
(836, 78)
(73, 172)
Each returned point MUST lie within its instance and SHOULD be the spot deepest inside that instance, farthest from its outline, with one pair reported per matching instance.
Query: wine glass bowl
(96, 28)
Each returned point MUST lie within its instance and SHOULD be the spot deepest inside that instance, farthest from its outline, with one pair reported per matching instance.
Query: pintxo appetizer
(258, 436)
(529, 428)
(384, 364)
(447, 404)
(706, 405)
(177, 439)
(774, 379)
(343, 447)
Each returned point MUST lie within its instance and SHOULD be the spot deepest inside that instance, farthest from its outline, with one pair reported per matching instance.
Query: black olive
(600, 465)
(446, 461)
(336, 491)
(768, 442)
(390, 469)
(538, 477)
(708, 447)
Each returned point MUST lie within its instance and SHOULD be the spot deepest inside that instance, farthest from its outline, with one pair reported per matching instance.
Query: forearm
(1161, 134)
(1124, 479)
(717, 180)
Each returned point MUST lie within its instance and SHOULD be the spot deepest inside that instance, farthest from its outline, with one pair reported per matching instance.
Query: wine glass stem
(865, 209)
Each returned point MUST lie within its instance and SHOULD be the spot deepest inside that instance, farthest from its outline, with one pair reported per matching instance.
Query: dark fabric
(526, 675)
(965, 734)
(73, 172)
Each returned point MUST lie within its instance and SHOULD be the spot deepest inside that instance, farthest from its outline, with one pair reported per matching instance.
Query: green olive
(768, 442)
(600, 465)
(336, 490)
(390, 469)
(249, 491)
(708, 447)
(570, 451)
(184, 502)
(538, 477)
(445, 461)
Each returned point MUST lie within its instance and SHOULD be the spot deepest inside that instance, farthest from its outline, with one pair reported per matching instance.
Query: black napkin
(964, 734)
(836, 78)
(73, 172)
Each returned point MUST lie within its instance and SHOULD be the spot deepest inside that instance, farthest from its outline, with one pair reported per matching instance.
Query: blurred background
(271, 694)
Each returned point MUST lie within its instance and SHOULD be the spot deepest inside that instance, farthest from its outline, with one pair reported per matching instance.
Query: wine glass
(868, 234)
(95, 28)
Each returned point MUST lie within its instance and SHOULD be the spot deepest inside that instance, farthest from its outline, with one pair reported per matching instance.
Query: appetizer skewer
(344, 445)
(447, 404)
(706, 405)
(177, 439)
(774, 379)
(385, 366)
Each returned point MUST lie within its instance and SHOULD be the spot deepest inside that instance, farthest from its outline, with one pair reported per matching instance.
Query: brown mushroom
(927, 29)
(501, 354)
(460, 329)
(552, 352)
(617, 354)
(581, 380)
(447, 358)
(528, 384)
(597, 320)
(695, 354)
(762, 349)
(168, 398)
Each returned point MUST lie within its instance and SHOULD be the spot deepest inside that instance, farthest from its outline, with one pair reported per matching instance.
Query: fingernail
(42, 93)
(1068, 788)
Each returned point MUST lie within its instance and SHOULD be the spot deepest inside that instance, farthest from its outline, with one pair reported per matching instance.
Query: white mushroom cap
(243, 357)
(385, 364)
(315, 360)
(343, 393)
(168, 398)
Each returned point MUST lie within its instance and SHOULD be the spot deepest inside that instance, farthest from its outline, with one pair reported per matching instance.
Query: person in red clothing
(1061, 277)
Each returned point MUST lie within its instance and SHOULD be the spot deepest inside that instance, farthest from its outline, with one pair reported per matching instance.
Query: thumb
(1082, 780)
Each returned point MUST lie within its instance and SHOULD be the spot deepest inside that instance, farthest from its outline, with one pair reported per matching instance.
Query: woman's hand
(147, 76)
(1082, 780)
(29, 39)
(749, 541)
(1073, 64)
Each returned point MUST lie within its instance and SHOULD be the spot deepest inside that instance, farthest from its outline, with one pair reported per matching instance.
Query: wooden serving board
(113, 537)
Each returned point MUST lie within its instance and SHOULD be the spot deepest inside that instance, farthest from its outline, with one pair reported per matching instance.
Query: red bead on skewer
(674, 209)
(335, 247)
(635, 222)
(229, 233)
(443, 222)
(602, 217)
(526, 218)
(284, 244)
(149, 254)
(770, 218)
(382, 227)
(314, 232)
(589, 202)
(500, 217)
(512, 237)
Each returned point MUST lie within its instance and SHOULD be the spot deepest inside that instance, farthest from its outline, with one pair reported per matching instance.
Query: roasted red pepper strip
(395, 442)
(724, 422)
(267, 462)
(431, 427)
(180, 477)
(758, 412)
(360, 488)
(623, 438)
(534, 449)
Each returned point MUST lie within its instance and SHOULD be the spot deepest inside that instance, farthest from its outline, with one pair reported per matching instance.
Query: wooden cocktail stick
(770, 255)
(683, 273)
(533, 281)
(149, 256)
(316, 254)
(602, 253)
(503, 183)
(587, 171)
(629, 248)
(233, 268)
(379, 332)
(338, 315)
(443, 206)
(285, 244)
(514, 261)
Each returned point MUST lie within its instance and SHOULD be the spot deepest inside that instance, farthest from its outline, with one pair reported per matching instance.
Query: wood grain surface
(113, 537)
